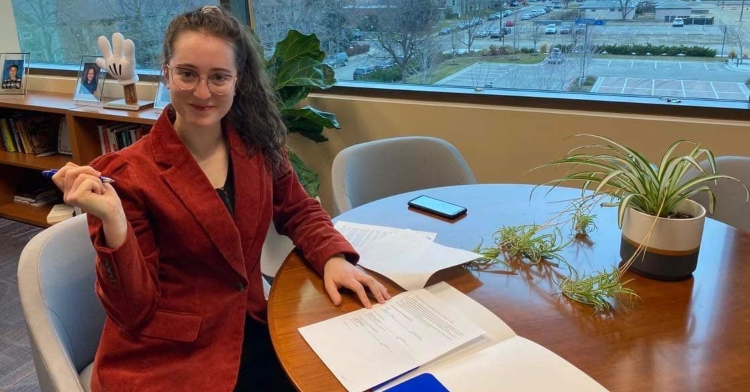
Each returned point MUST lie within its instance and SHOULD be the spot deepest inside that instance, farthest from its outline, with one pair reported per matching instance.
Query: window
(58, 33)
(435, 45)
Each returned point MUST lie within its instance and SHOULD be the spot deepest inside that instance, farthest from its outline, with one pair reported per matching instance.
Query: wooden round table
(692, 335)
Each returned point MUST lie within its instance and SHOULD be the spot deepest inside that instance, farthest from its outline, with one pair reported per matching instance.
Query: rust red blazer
(177, 291)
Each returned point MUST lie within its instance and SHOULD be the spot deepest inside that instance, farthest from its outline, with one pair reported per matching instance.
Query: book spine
(103, 142)
(24, 134)
(7, 135)
(16, 134)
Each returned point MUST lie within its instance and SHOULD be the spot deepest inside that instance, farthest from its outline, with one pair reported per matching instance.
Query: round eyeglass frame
(200, 79)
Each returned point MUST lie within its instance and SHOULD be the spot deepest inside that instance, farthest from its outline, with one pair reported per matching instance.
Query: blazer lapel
(249, 190)
(186, 179)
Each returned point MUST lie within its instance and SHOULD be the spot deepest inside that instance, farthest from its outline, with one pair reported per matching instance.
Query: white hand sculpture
(121, 62)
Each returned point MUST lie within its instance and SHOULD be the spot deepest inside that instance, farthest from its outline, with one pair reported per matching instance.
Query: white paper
(360, 234)
(516, 364)
(409, 259)
(367, 347)
(499, 359)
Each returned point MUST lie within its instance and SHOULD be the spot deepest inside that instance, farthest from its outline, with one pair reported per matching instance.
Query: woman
(179, 235)
(89, 81)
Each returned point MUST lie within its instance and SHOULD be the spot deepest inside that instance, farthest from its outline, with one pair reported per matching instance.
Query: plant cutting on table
(653, 204)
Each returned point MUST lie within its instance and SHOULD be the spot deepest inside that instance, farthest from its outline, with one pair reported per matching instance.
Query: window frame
(638, 105)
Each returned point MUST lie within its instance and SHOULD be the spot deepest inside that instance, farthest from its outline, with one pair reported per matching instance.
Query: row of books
(29, 133)
(37, 196)
(115, 136)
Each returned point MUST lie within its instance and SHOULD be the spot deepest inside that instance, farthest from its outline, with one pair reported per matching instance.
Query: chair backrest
(373, 170)
(63, 314)
(731, 207)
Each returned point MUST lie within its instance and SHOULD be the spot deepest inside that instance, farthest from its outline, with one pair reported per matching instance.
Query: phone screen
(439, 207)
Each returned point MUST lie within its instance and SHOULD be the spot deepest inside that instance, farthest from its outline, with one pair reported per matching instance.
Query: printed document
(368, 347)
(441, 331)
(360, 234)
(409, 259)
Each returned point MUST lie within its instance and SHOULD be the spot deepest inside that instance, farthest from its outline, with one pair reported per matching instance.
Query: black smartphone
(437, 207)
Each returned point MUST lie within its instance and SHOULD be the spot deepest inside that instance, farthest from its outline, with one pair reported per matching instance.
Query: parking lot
(679, 79)
(671, 88)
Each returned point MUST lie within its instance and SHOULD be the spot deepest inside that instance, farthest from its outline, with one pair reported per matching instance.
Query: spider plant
(627, 176)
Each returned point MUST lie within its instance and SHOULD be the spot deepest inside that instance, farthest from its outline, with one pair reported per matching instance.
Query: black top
(226, 193)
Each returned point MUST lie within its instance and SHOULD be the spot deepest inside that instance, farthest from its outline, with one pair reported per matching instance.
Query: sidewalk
(742, 67)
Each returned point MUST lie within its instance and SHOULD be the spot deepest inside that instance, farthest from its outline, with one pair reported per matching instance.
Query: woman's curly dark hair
(254, 112)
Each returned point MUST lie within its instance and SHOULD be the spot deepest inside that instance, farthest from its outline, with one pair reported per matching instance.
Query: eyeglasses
(187, 79)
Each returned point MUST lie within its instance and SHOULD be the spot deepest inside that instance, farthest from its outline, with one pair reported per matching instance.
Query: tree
(626, 6)
(427, 57)
(735, 34)
(401, 27)
(40, 18)
(585, 50)
(536, 34)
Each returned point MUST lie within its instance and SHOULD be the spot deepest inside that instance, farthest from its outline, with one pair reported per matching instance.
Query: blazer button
(240, 287)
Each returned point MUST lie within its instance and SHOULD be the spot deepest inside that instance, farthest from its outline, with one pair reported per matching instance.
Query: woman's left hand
(339, 273)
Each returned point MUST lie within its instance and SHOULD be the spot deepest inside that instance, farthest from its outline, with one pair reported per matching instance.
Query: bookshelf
(17, 169)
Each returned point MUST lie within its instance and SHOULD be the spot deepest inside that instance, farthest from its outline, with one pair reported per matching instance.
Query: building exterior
(608, 10)
(668, 10)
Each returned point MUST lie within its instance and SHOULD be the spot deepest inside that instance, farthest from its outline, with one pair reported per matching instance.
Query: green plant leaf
(307, 177)
(309, 122)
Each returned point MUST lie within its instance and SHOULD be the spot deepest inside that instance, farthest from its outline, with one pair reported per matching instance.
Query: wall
(8, 32)
(502, 143)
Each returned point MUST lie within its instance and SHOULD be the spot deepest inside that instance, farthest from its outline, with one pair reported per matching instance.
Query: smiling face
(198, 109)
(90, 74)
(13, 72)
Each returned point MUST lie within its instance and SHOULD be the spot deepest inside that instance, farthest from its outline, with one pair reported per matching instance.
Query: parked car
(360, 72)
(510, 23)
(526, 16)
(507, 13)
(555, 56)
(551, 29)
(481, 33)
(496, 33)
(678, 22)
(580, 29)
(565, 29)
(444, 31)
(384, 64)
(339, 59)
(493, 16)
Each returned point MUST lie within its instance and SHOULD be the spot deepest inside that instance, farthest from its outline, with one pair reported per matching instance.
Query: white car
(551, 29)
(678, 22)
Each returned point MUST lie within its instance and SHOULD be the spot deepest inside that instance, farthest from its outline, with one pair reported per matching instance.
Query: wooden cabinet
(19, 169)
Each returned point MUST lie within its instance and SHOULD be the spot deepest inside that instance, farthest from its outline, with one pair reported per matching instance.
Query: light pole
(742, 10)
(723, 40)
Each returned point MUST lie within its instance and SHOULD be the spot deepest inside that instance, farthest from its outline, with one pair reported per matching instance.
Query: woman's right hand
(82, 188)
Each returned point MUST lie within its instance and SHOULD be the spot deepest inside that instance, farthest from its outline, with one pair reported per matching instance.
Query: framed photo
(90, 81)
(162, 95)
(15, 73)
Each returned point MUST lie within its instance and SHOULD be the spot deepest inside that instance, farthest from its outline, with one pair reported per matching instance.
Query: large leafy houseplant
(296, 68)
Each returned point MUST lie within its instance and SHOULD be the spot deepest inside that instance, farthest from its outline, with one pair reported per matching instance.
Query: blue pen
(50, 173)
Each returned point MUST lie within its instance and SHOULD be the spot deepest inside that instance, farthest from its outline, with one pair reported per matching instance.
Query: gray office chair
(373, 170)
(63, 314)
(731, 207)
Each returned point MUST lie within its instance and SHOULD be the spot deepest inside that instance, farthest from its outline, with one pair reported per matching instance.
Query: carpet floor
(17, 372)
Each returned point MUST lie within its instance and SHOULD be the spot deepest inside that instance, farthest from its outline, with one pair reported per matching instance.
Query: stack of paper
(406, 257)
(452, 339)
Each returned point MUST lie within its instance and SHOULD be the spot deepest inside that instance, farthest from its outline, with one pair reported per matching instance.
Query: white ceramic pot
(671, 251)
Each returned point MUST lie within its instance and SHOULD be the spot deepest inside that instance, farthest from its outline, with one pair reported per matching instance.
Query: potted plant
(295, 68)
(655, 211)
